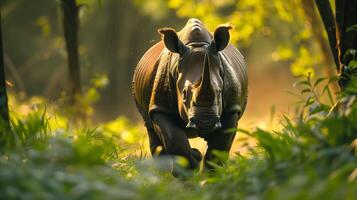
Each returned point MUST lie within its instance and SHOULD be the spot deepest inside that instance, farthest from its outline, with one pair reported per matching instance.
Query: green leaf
(231, 130)
(304, 82)
(352, 28)
(243, 131)
(309, 101)
(327, 89)
(307, 90)
(319, 108)
(350, 53)
(318, 81)
(333, 79)
(352, 63)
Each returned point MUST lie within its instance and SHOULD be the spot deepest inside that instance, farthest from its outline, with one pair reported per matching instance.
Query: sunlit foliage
(311, 157)
(46, 155)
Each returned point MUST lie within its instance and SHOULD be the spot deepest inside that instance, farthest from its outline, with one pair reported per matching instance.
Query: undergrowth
(312, 157)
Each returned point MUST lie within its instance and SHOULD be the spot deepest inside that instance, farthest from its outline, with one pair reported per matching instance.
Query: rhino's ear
(171, 41)
(221, 38)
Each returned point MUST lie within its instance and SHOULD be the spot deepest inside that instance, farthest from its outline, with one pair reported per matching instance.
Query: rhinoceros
(191, 84)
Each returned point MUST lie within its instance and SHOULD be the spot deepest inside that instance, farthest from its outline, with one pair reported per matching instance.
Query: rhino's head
(199, 80)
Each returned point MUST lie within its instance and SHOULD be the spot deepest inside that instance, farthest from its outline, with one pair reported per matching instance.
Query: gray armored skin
(191, 84)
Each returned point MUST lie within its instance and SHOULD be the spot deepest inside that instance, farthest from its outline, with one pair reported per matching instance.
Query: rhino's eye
(184, 95)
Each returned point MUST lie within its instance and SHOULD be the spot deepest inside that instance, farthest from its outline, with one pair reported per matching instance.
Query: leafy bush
(311, 157)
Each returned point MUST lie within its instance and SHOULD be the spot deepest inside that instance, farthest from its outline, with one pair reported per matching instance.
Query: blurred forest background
(296, 140)
(279, 39)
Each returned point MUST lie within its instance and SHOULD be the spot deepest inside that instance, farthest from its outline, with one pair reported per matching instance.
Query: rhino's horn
(205, 93)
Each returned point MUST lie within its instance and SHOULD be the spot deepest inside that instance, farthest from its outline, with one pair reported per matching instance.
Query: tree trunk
(4, 110)
(341, 40)
(328, 19)
(346, 16)
(70, 28)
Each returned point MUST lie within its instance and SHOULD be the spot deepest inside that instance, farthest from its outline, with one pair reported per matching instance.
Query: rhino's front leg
(174, 139)
(221, 139)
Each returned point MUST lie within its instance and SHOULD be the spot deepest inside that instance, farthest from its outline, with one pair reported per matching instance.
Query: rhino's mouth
(204, 118)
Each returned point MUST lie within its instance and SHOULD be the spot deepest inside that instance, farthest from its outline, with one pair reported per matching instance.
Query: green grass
(311, 157)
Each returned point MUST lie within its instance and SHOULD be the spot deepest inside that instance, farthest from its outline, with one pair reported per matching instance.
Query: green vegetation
(312, 157)
(48, 153)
